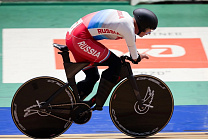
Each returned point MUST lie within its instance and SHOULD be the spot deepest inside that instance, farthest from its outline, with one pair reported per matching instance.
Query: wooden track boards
(172, 135)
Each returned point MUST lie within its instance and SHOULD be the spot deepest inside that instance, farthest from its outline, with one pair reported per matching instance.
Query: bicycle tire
(133, 121)
(37, 123)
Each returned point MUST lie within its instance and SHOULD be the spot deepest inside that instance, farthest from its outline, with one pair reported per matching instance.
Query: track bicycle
(45, 107)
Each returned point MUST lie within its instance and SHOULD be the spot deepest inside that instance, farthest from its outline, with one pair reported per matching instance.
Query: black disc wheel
(135, 121)
(47, 122)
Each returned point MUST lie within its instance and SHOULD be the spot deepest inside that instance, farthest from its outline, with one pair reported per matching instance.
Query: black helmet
(145, 19)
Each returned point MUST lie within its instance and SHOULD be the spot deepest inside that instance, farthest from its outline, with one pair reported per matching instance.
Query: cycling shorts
(83, 47)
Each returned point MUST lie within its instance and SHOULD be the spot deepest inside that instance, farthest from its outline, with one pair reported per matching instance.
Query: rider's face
(147, 32)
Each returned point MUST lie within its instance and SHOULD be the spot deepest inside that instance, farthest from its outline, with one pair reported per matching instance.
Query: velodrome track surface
(29, 29)
(190, 135)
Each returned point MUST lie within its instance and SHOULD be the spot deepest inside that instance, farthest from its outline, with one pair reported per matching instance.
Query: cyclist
(82, 40)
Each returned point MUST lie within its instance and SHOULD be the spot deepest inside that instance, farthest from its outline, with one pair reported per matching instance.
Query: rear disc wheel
(42, 123)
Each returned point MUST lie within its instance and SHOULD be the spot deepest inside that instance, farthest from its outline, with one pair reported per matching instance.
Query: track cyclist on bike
(82, 40)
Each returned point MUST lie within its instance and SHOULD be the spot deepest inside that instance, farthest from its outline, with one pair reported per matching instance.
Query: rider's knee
(114, 62)
(92, 75)
(95, 77)
(113, 72)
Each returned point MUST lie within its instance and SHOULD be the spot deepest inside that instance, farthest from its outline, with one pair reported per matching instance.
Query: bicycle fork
(136, 90)
(134, 86)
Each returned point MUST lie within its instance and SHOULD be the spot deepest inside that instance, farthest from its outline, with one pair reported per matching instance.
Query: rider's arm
(127, 30)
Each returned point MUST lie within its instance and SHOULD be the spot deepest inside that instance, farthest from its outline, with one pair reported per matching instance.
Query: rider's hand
(142, 56)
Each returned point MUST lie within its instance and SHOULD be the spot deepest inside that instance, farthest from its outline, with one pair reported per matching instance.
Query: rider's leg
(108, 80)
(86, 86)
(81, 44)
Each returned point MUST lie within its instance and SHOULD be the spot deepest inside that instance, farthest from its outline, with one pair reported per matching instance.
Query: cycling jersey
(106, 24)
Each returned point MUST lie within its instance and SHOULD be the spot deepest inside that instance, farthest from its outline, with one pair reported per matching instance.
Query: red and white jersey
(111, 24)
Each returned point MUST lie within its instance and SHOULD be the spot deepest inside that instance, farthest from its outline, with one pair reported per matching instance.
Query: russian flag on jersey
(96, 20)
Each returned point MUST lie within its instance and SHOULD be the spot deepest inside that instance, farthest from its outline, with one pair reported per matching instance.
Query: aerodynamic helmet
(145, 19)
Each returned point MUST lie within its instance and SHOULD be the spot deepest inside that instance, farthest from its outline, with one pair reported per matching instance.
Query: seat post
(65, 56)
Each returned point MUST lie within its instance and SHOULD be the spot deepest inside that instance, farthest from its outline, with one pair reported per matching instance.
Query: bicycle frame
(71, 69)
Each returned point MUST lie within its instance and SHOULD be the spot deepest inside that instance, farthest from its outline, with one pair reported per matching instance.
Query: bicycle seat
(61, 47)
